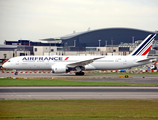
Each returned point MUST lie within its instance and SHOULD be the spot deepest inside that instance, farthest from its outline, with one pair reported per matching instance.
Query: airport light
(106, 43)
(66, 44)
(112, 44)
(99, 42)
(74, 43)
(133, 40)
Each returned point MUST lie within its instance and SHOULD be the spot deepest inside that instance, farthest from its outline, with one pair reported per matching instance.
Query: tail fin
(144, 47)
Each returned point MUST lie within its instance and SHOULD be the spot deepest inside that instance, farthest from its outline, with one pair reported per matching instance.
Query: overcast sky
(38, 19)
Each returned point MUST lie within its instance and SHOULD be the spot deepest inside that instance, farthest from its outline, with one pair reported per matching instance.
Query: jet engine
(59, 68)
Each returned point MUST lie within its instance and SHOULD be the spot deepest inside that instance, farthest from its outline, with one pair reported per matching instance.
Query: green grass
(37, 82)
(80, 110)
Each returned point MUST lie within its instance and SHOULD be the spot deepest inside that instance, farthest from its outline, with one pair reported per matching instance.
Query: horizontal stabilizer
(147, 60)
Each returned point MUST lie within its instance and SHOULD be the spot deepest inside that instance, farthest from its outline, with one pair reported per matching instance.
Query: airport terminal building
(106, 41)
(103, 37)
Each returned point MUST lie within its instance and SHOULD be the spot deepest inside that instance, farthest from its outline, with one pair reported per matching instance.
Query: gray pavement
(150, 79)
(78, 93)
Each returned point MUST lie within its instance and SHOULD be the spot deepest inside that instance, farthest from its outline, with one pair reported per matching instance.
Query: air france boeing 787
(62, 64)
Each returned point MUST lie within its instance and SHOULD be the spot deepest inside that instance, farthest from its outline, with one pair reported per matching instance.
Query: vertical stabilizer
(144, 47)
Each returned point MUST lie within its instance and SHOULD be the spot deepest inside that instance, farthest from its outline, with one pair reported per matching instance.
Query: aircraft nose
(4, 65)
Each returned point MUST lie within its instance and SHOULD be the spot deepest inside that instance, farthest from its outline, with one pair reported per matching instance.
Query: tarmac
(150, 79)
(78, 93)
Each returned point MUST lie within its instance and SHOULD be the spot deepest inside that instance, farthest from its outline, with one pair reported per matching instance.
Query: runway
(78, 93)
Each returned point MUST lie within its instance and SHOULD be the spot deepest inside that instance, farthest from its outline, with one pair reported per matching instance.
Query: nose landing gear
(15, 72)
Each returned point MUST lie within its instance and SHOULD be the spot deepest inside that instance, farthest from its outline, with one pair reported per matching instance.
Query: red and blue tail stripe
(144, 48)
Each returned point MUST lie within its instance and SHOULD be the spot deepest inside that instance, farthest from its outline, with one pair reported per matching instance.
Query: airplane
(63, 64)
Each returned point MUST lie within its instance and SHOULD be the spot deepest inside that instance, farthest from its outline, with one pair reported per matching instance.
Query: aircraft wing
(83, 62)
(147, 59)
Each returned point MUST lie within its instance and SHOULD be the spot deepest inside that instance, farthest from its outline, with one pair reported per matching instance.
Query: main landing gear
(79, 71)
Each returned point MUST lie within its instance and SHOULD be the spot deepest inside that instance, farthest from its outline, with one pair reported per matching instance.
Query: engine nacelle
(59, 68)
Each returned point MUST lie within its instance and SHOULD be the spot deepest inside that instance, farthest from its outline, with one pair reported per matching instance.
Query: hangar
(102, 37)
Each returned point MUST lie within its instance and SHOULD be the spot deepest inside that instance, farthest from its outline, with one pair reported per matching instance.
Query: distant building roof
(112, 32)
(8, 46)
(103, 29)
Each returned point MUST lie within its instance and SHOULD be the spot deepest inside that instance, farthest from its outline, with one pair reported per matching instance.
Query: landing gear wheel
(15, 73)
(79, 73)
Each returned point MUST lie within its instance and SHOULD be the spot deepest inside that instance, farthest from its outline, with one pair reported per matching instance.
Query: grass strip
(37, 82)
(80, 109)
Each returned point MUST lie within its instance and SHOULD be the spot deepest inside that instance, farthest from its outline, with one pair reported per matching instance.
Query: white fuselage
(46, 63)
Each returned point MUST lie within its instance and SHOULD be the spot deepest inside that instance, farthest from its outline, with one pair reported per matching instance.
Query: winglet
(144, 48)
